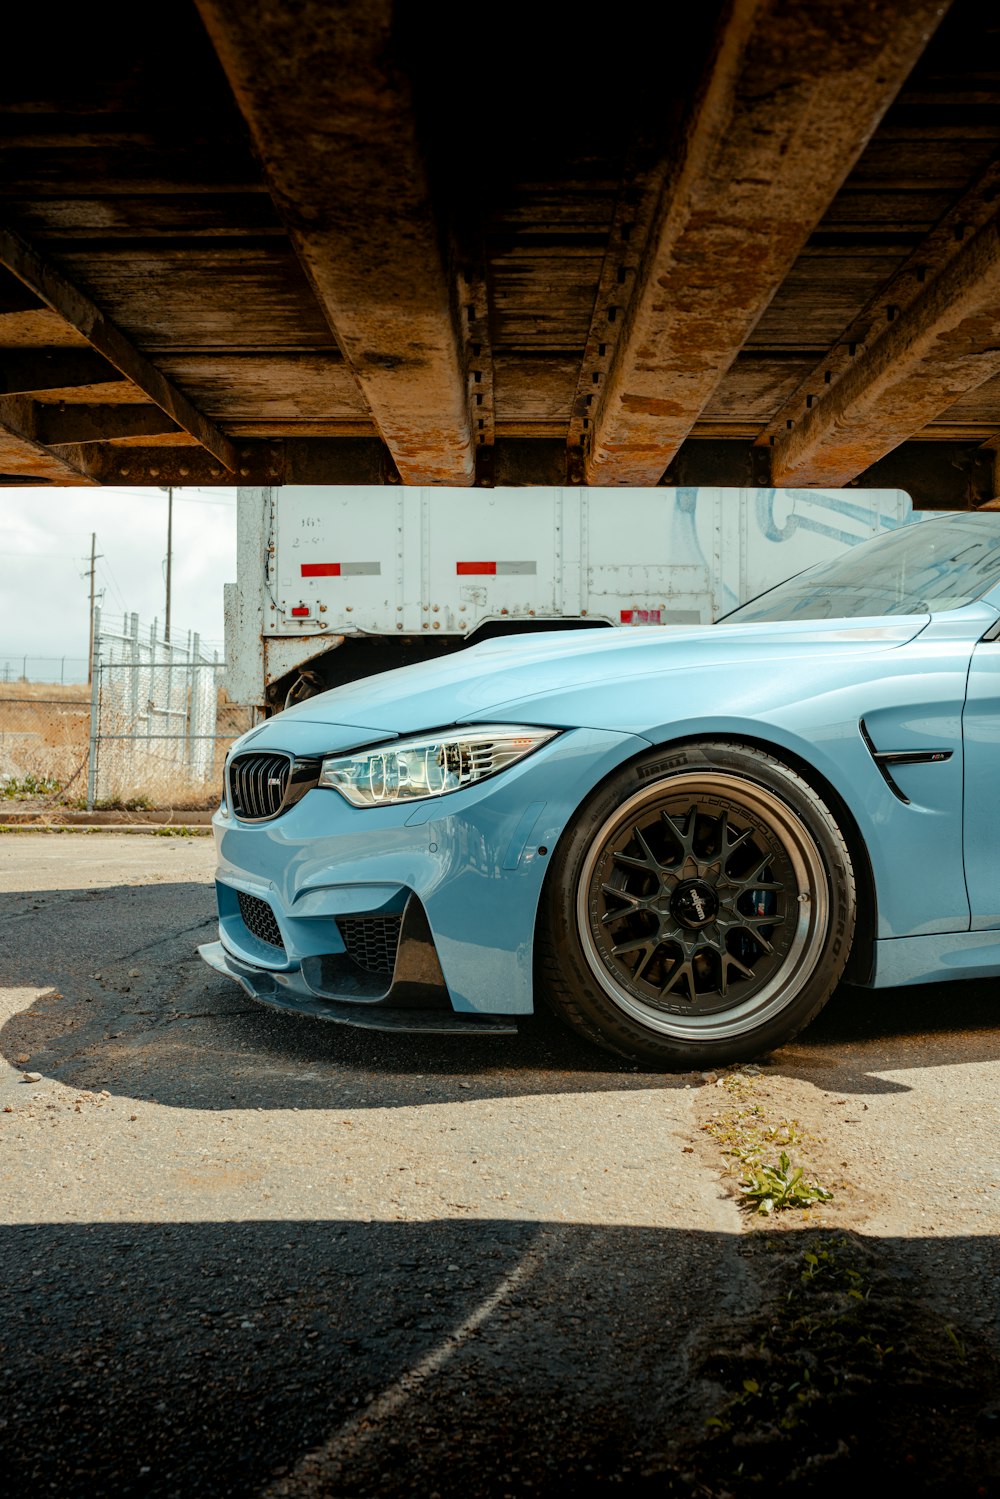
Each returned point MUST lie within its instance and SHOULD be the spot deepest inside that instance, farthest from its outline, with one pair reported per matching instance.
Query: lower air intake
(259, 919)
(371, 941)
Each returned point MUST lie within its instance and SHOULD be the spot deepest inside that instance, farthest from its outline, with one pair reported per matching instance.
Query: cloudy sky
(45, 548)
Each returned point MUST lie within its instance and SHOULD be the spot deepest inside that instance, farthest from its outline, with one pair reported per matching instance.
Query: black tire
(699, 910)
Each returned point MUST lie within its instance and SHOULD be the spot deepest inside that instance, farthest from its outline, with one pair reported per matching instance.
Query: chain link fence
(151, 731)
(160, 726)
(44, 741)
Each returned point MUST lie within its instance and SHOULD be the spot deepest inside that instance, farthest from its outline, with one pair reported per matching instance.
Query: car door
(981, 725)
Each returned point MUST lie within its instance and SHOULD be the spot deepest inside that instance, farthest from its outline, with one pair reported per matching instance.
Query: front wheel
(699, 911)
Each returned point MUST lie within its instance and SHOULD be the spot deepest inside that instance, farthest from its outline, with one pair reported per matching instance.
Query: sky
(45, 546)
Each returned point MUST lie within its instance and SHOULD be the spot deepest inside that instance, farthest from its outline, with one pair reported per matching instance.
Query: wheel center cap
(694, 904)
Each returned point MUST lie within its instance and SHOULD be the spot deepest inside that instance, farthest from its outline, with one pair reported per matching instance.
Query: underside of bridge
(352, 241)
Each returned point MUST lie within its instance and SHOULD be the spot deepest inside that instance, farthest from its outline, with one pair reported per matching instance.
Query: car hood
(522, 671)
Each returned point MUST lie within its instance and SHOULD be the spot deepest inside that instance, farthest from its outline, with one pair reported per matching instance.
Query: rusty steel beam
(331, 115)
(108, 340)
(474, 300)
(792, 95)
(632, 220)
(29, 371)
(944, 242)
(20, 426)
(89, 424)
(937, 474)
(943, 345)
(107, 463)
(337, 460)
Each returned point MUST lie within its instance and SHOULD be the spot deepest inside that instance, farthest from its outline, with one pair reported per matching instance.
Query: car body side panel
(474, 860)
(982, 786)
(910, 699)
(932, 960)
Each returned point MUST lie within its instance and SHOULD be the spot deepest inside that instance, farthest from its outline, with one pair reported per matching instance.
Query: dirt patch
(751, 1118)
(848, 1366)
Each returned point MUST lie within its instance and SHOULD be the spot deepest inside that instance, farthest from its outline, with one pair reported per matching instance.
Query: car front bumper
(444, 891)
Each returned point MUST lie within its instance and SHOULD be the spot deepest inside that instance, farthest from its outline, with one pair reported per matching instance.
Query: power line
(216, 504)
(114, 582)
(179, 494)
(109, 578)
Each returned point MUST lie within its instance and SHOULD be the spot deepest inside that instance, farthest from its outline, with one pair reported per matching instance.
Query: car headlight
(414, 769)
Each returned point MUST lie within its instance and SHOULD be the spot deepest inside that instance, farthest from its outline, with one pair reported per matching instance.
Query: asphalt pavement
(250, 1254)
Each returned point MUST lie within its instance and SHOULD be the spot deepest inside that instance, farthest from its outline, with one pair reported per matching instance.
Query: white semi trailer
(337, 582)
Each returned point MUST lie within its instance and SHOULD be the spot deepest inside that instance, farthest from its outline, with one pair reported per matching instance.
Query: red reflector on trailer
(483, 569)
(321, 569)
(301, 612)
(640, 616)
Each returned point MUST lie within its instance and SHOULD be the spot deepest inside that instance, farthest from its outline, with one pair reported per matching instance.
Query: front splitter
(268, 988)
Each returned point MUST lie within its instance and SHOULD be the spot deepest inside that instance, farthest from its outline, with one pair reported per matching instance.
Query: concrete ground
(250, 1254)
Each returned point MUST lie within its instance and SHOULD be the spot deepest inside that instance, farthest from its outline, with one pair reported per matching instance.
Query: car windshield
(920, 569)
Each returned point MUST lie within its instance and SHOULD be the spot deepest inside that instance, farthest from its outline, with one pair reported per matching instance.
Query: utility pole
(170, 552)
(94, 554)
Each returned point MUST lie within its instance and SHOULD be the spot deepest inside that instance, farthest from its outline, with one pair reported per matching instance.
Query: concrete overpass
(356, 241)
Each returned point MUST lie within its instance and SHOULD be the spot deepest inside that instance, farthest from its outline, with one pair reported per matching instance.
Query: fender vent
(887, 760)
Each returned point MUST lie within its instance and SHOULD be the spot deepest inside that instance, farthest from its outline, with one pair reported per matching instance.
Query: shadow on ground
(863, 1033)
(212, 1358)
(115, 997)
(122, 1001)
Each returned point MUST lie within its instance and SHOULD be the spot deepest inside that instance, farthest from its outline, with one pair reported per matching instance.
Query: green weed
(767, 1188)
(28, 786)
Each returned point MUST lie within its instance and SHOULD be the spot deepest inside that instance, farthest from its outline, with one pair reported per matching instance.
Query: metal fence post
(95, 699)
(193, 695)
(153, 648)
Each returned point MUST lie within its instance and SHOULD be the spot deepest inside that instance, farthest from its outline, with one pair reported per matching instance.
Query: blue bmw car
(681, 838)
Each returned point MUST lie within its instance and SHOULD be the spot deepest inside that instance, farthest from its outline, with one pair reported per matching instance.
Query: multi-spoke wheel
(700, 910)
